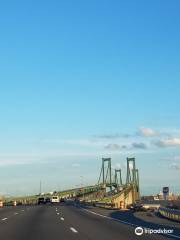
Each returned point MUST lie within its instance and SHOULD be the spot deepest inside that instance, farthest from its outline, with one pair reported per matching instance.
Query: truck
(55, 199)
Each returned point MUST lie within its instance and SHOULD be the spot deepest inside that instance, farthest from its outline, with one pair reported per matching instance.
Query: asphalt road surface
(68, 222)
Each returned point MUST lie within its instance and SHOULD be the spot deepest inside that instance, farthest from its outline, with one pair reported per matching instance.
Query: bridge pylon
(106, 173)
(118, 179)
(132, 178)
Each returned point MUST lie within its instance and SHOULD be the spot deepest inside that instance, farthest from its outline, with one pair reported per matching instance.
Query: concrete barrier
(104, 205)
(172, 214)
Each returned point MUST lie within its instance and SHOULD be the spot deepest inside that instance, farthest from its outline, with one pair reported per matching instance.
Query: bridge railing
(170, 213)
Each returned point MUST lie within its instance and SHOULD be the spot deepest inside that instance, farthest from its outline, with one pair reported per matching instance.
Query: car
(62, 200)
(47, 200)
(41, 201)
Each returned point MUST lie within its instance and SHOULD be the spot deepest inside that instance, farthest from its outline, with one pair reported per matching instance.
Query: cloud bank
(147, 132)
(170, 142)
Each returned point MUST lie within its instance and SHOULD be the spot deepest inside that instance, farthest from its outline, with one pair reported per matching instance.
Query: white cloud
(127, 146)
(80, 142)
(113, 147)
(18, 159)
(114, 136)
(147, 132)
(171, 158)
(175, 166)
(109, 136)
(139, 145)
(169, 142)
(48, 156)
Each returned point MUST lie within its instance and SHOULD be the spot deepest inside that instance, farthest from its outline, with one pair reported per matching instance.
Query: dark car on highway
(41, 201)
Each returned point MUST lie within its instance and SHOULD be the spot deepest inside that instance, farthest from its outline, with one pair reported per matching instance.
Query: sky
(81, 80)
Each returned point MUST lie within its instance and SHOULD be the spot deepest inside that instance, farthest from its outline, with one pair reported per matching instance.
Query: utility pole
(40, 188)
(82, 186)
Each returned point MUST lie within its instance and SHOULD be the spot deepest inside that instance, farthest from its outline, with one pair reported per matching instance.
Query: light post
(82, 186)
(40, 188)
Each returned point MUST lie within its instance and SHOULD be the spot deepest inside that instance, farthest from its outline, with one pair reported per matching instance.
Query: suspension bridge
(110, 190)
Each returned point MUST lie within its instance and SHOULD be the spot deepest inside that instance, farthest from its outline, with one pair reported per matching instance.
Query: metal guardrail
(170, 213)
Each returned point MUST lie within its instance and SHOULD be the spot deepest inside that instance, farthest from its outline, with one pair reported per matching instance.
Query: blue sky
(84, 79)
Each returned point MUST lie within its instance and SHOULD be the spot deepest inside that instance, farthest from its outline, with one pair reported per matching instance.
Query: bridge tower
(106, 173)
(131, 166)
(118, 181)
(132, 177)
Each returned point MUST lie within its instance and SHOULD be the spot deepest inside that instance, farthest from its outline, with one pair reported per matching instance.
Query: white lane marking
(100, 215)
(57, 213)
(124, 222)
(62, 219)
(22, 210)
(73, 230)
(4, 219)
(15, 213)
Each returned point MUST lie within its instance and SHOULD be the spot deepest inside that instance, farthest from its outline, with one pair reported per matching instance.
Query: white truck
(55, 199)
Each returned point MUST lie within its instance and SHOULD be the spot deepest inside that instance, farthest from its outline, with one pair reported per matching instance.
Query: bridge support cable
(100, 175)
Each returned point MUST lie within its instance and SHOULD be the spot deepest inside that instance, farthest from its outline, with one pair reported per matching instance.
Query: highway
(69, 222)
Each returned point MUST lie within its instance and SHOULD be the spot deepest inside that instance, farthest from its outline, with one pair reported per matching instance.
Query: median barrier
(104, 205)
(170, 213)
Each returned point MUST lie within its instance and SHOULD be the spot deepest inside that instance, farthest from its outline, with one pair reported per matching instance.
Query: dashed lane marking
(4, 219)
(73, 230)
(62, 219)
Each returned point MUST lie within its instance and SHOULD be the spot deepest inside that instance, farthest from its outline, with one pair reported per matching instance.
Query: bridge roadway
(68, 222)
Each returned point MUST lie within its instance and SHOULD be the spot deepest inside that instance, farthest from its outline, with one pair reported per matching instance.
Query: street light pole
(82, 186)
(40, 188)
